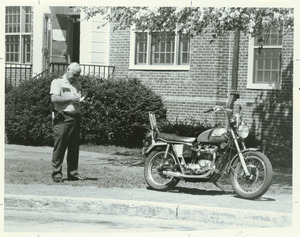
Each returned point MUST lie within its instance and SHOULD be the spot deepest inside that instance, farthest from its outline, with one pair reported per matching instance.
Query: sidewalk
(272, 210)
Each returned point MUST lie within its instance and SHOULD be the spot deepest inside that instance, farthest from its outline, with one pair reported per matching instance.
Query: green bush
(28, 113)
(277, 145)
(252, 141)
(112, 112)
(279, 150)
(186, 127)
(115, 109)
(8, 85)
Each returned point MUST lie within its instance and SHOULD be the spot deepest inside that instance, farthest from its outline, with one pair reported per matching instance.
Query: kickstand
(215, 183)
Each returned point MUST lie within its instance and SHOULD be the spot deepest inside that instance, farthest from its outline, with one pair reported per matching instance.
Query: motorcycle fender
(147, 150)
(243, 151)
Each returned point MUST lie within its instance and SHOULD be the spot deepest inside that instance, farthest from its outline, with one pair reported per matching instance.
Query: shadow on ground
(195, 191)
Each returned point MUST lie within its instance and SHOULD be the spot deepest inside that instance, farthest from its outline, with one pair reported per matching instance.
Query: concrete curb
(204, 214)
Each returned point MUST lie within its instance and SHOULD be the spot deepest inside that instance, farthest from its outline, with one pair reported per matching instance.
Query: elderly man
(66, 97)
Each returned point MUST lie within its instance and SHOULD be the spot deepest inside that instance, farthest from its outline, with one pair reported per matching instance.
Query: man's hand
(70, 97)
(75, 99)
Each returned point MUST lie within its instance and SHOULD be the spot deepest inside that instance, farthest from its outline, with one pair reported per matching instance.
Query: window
(160, 51)
(18, 22)
(141, 48)
(184, 57)
(264, 68)
(162, 48)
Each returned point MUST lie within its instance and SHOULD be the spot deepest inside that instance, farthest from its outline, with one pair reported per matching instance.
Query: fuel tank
(214, 135)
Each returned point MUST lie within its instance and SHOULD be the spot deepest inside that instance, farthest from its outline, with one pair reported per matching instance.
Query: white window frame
(175, 66)
(21, 35)
(250, 83)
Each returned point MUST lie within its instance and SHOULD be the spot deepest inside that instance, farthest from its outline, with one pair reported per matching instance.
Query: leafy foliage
(113, 111)
(187, 127)
(116, 109)
(278, 148)
(28, 113)
(195, 20)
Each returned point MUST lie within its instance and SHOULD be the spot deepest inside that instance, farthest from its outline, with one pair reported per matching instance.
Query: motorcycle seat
(171, 137)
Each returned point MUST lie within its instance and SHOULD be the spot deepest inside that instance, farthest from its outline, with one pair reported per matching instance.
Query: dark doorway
(61, 39)
(74, 39)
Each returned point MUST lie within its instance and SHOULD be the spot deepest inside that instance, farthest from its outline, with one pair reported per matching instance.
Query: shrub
(28, 113)
(8, 85)
(279, 150)
(112, 113)
(276, 145)
(115, 109)
(186, 127)
(252, 141)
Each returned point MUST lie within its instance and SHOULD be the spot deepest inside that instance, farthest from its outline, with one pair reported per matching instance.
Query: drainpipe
(234, 95)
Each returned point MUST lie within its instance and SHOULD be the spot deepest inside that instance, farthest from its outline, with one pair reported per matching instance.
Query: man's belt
(61, 116)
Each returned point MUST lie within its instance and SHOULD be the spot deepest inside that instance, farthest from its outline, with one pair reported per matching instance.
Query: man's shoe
(57, 179)
(75, 177)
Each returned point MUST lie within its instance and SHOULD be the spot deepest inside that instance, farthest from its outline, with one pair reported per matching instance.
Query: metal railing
(42, 74)
(100, 71)
(58, 67)
(16, 73)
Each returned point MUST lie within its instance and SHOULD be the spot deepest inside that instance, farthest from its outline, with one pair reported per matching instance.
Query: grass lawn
(109, 167)
(113, 150)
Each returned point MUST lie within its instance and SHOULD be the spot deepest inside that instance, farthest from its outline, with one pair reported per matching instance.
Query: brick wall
(119, 51)
(269, 111)
(187, 93)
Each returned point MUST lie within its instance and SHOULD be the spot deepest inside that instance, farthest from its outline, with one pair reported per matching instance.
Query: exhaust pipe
(184, 176)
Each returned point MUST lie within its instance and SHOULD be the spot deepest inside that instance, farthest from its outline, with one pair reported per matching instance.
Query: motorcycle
(215, 152)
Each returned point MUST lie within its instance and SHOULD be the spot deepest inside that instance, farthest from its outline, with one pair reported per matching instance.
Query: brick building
(188, 89)
(190, 74)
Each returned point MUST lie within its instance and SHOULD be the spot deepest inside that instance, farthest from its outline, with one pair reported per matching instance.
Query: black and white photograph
(142, 118)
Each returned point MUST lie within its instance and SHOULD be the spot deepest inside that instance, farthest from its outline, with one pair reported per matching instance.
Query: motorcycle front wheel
(260, 169)
(153, 171)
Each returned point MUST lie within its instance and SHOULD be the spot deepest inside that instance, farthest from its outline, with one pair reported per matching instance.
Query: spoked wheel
(155, 165)
(261, 173)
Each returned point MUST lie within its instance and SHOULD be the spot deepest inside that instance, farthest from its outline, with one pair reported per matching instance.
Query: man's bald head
(74, 67)
(73, 71)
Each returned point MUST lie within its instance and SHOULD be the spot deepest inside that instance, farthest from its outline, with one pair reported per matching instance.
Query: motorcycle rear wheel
(153, 171)
(261, 170)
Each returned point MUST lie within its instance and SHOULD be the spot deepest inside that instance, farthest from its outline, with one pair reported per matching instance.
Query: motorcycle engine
(202, 160)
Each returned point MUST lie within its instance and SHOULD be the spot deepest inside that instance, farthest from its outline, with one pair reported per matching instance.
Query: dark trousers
(66, 136)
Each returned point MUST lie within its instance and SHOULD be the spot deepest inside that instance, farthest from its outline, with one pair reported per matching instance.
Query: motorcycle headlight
(243, 131)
